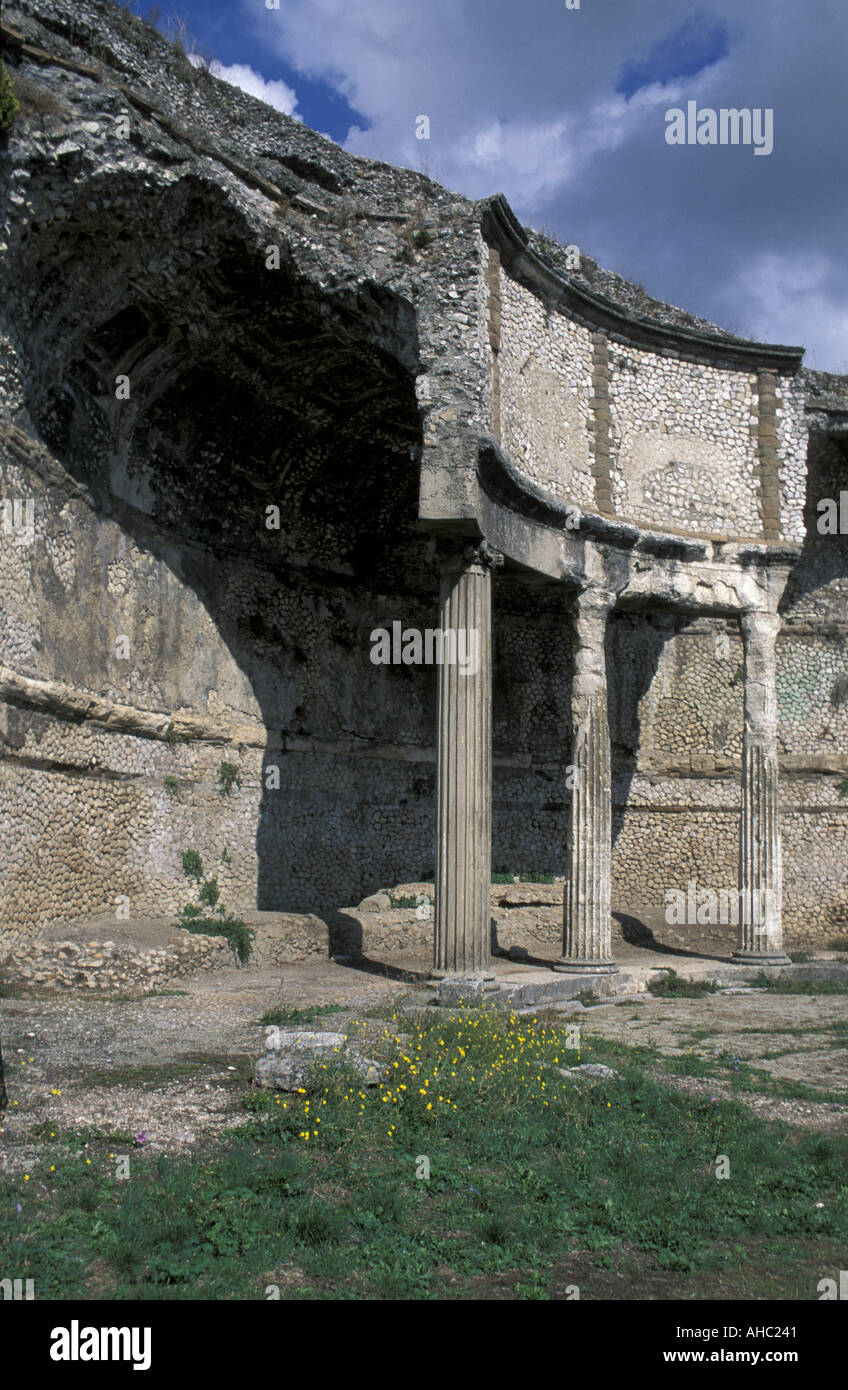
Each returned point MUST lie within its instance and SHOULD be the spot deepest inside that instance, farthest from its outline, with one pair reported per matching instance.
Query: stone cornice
(501, 228)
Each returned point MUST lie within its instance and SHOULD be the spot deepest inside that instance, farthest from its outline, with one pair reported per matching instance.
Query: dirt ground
(172, 1066)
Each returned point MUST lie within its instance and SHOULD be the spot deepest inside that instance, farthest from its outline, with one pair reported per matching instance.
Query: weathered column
(587, 936)
(464, 767)
(760, 869)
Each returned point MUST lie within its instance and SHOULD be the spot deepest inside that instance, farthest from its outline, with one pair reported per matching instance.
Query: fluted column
(760, 867)
(587, 923)
(464, 770)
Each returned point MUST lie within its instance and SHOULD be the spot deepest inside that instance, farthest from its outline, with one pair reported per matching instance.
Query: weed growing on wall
(193, 918)
(9, 105)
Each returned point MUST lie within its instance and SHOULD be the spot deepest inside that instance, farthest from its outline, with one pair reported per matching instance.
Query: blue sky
(563, 110)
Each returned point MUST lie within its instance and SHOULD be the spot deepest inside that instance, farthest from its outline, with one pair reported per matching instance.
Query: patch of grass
(589, 999)
(278, 1017)
(228, 777)
(531, 876)
(839, 943)
(779, 984)
(173, 738)
(172, 786)
(239, 935)
(674, 986)
(192, 864)
(9, 101)
(325, 1184)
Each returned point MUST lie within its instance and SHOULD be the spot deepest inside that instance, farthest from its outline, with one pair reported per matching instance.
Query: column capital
(760, 622)
(478, 555)
(594, 600)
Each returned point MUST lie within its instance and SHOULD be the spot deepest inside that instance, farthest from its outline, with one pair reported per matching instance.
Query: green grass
(529, 877)
(674, 986)
(623, 1165)
(298, 1016)
(779, 984)
(234, 929)
(745, 1078)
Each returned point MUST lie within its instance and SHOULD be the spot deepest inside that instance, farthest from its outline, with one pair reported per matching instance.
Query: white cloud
(794, 297)
(523, 100)
(275, 93)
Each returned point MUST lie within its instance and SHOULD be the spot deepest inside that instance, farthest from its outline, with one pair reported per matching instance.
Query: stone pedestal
(587, 923)
(760, 870)
(464, 771)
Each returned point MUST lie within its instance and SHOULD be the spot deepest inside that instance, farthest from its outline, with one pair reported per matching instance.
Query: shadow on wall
(238, 401)
(818, 584)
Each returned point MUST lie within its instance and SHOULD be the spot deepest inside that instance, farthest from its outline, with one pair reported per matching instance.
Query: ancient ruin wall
(262, 657)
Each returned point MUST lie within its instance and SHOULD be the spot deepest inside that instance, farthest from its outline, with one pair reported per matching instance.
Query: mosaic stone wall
(684, 456)
(545, 389)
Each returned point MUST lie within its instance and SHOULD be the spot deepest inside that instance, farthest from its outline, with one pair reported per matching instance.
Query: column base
(567, 966)
(760, 958)
(461, 975)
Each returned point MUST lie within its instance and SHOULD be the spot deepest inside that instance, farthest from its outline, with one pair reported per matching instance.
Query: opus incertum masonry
(727, 126)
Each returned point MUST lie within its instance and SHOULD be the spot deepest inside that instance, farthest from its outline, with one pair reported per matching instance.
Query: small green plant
(192, 864)
(172, 737)
(407, 900)
(209, 892)
(674, 986)
(422, 238)
(172, 786)
(9, 104)
(225, 858)
(239, 935)
(228, 777)
(839, 943)
(276, 1017)
(193, 919)
(843, 787)
(779, 984)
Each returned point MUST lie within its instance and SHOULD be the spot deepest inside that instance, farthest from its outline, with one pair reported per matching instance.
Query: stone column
(587, 935)
(464, 768)
(760, 870)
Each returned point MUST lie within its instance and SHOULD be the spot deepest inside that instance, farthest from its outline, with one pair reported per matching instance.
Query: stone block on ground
(281, 938)
(292, 1058)
(377, 902)
(588, 1071)
(453, 993)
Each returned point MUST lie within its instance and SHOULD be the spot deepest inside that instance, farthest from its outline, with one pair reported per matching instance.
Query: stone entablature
(666, 427)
